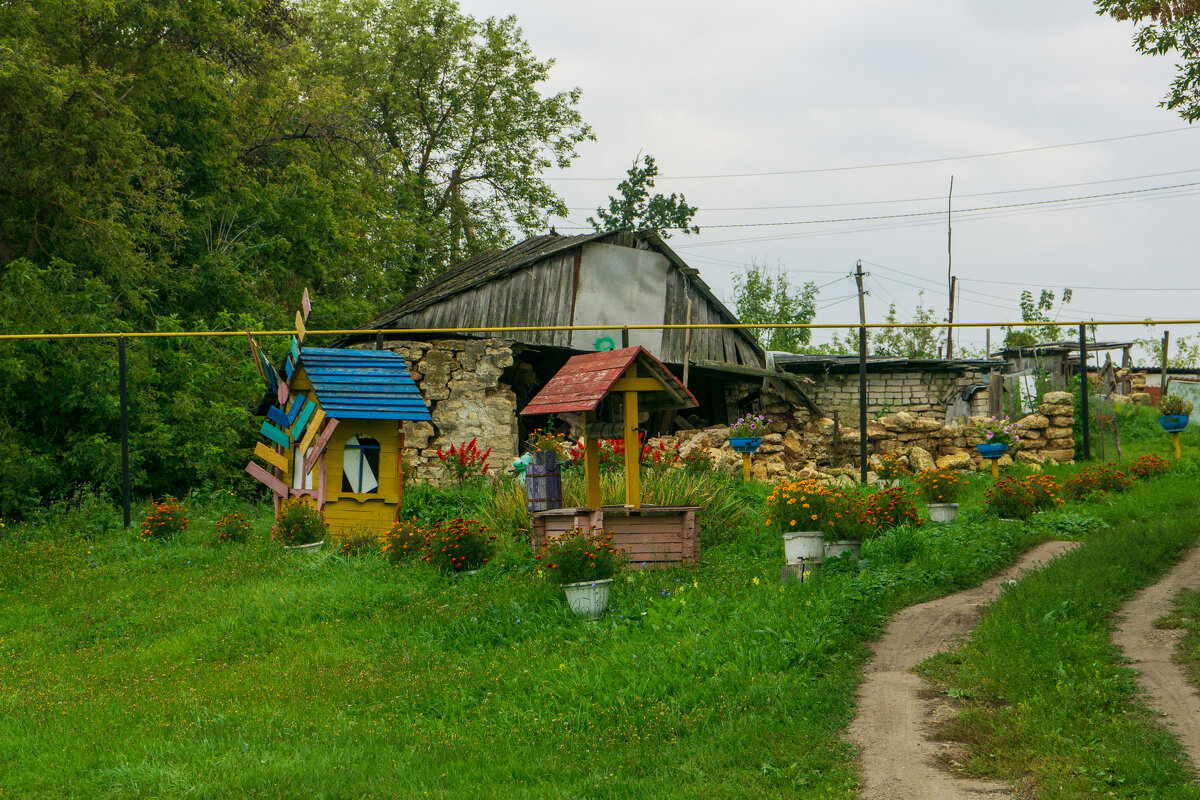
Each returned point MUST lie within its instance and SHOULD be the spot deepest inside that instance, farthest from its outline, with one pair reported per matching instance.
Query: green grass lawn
(173, 669)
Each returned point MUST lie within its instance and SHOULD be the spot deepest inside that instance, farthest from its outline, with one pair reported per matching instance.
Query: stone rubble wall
(460, 380)
(819, 449)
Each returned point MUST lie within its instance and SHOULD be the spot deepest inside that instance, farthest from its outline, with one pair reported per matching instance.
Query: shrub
(232, 527)
(1083, 483)
(167, 517)
(1043, 491)
(579, 556)
(465, 462)
(459, 545)
(939, 486)
(695, 461)
(544, 440)
(299, 523)
(1148, 466)
(888, 508)
(1009, 498)
(404, 541)
(807, 505)
(1111, 479)
(358, 542)
(1174, 404)
(891, 467)
(661, 457)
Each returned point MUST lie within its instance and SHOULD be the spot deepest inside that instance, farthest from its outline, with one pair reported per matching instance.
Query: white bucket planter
(943, 512)
(588, 598)
(805, 545)
(305, 548)
(837, 549)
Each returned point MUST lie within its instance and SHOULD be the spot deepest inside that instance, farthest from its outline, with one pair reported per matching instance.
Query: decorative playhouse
(611, 388)
(333, 430)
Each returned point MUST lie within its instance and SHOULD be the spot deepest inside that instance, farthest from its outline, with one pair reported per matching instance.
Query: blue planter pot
(1173, 423)
(745, 444)
(992, 450)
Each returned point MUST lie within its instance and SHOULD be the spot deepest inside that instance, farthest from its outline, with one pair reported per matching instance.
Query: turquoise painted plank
(302, 420)
(295, 349)
(276, 435)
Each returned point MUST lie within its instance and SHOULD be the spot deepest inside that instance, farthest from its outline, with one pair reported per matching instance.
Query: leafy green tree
(923, 342)
(1165, 28)
(761, 297)
(454, 108)
(1038, 311)
(636, 208)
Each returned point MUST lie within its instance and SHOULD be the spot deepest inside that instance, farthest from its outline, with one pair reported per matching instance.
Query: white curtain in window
(356, 467)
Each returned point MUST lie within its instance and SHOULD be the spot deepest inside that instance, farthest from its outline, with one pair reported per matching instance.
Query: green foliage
(1038, 311)
(167, 518)
(299, 523)
(926, 342)
(636, 208)
(404, 541)
(1009, 498)
(232, 527)
(939, 486)
(763, 298)
(579, 556)
(1174, 404)
(1165, 28)
(460, 545)
(888, 508)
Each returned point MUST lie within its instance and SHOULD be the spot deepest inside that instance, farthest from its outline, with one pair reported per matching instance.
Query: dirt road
(1151, 650)
(893, 721)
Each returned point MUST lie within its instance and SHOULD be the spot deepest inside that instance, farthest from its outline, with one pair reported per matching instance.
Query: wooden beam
(638, 385)
(270, 481)
(300, 329)
(314, 425)
(277, 460)
(322, 442)
(633, 446)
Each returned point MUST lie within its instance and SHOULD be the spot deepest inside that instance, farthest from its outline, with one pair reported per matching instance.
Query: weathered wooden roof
(363, 384)
(585, 380)
(481, 268)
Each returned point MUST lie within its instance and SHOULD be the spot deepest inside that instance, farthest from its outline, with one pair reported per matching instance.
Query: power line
(889, 164)
(938, 199)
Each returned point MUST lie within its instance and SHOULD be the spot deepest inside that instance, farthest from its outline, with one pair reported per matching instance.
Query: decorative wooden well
(653, 536)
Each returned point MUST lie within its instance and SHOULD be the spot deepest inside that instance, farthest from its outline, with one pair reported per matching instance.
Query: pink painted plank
(283, 392)
(306, 304)
(269, 480)
(322, 478)
(319, 446)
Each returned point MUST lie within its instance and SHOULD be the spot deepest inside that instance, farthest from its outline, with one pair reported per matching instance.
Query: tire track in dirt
(894, 716)
(1152, 652)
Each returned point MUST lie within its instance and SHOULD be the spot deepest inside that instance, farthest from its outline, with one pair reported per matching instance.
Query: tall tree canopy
(194, 164)
(636, 208)
(1167, 27)
(762, 297)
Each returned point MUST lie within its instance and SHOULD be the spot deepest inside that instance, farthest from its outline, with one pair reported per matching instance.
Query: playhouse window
(300, 479)
(360, 465)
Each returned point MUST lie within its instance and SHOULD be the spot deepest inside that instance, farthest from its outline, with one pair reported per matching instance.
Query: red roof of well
(585, 380)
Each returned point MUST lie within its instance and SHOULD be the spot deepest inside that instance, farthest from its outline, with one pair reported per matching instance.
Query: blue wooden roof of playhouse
(363, 384)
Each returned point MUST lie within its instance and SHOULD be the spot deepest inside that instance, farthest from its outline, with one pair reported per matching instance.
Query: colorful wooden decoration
(326, 398)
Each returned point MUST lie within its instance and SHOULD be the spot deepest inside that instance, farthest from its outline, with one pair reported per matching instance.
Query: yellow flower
(754, 580)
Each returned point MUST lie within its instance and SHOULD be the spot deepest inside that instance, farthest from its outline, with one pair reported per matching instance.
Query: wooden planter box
(655, 537)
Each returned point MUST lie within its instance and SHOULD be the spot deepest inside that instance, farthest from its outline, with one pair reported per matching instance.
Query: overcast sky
(717, 88)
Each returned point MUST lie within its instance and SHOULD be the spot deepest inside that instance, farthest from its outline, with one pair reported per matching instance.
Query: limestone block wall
(461, 381)
(922, 393)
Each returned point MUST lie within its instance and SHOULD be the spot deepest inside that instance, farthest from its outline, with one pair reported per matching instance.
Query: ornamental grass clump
(578, 556)
(939, 486)
(890, 508)
(299, 523)
(1009, 498)
(167, 518)
(404, 541)
(460, 545)
(1148, 466)
(232, 527)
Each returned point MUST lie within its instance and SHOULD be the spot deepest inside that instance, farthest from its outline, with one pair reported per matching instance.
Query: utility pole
(950, 326)
(1163, 380)
(950, 268)
(862, 375)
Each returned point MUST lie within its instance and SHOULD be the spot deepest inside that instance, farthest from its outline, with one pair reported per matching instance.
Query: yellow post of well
(633, 447)
(591, 462)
